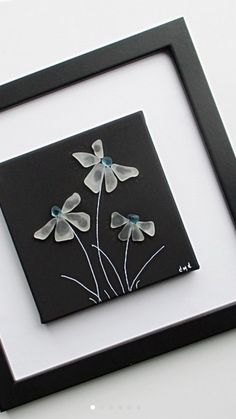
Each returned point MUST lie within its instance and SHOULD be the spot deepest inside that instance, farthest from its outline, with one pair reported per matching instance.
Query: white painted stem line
(136, 286)
(107, 294)
(80, 283)
(112, 265)
(98, 245)
(91, 299)
(125, 265)
(90, 265)
(145, 265)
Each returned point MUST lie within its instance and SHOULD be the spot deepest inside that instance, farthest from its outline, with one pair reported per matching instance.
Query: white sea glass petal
(44, 231)
(80, 220)
(125, 232)
(63, 231)
(71, 203)
(110, 180)
(86, 159)
(137, 235)
(98, 149)
(147, 226)
(95, 177)
(124, 172)
(117, 220)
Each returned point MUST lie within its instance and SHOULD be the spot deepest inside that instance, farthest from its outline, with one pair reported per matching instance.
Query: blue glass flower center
(107, 161)
(133, 218)
(55, 211)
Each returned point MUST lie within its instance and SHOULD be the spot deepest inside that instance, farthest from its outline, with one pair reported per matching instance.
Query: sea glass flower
(132, 227)
(62, 218)
(103, 166)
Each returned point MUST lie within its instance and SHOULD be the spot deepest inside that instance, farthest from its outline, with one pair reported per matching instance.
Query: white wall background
(195, 382)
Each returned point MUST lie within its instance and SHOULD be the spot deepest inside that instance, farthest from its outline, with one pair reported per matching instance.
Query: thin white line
(80, 283)
(125, 265)
(89, 262)
(91, 299)
(107, 294)
(137, 284)
(98, 245)
(114, 268)
(145, 265)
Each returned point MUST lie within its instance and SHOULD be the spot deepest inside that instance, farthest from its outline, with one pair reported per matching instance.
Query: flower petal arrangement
(62, 218)
(132, 227)
(103, 166)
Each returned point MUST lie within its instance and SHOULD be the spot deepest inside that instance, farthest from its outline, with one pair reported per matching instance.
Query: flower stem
(91, 299)
(112, 265)
(80, 283)
(90, 265)
(98, 245)
(145, 265)
(107, 295)
(125, 264)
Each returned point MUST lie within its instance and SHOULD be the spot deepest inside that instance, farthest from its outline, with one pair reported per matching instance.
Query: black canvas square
(92, 217)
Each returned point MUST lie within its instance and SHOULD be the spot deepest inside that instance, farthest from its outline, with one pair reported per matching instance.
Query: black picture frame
(175, 39)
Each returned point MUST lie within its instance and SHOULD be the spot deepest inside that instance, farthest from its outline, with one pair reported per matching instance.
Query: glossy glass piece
(125, 233)
(137, 235)
(98, 148)
(117, 220)
(110, 180)
(80, 220)
(132, 226)
(147, 226)
(133, 218)
(86, 159)
(71, 203)
(44, 231)
(124, 172)
(55, 211)
(63, 232)
(95, 177)
(103, 165)
(61, 220)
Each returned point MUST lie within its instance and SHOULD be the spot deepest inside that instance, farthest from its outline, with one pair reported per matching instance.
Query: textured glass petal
(137, 235)
(110, 180)
(124, 172)
(147, 226)
(63, 231)
(44, 232)
(81, 220)
(125, 232)
(86, 159)
(71, 203)
(117, 220)
(98, 149)
(95, 177)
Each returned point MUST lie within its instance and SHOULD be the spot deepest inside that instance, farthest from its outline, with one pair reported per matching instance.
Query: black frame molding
(174, 38)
